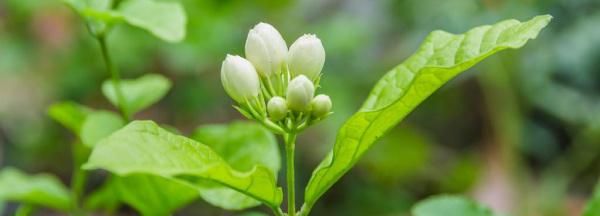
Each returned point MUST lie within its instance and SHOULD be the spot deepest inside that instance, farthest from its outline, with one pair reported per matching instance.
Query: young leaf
(99, 125)
(88, 124)
(142, 147)
(592, 208)
(450, 206)
(70, 115)
(97, 13)
(139, 93)
(166, 20)
(150, 195)
(441, 57)
(41, 189)
(242, 145)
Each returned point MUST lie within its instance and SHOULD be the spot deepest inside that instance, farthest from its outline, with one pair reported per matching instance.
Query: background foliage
(521, 136)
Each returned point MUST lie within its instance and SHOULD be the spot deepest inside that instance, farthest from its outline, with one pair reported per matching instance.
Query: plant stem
(78, 185)
(277, 211)
(116, 77)
(79, 178)
(290, 142)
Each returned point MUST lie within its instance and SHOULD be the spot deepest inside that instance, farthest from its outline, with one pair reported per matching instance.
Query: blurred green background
(519, 132)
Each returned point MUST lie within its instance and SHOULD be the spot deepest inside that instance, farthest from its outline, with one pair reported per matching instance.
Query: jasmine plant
(156, 170)
(276, 86)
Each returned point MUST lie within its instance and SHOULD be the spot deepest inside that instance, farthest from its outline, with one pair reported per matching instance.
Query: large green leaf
(43, 190)
(142, 147)
(592, 208)
(450, 206)
(441, 57)
(148, 194)
(165, 20)
(242, 145)
(99, 125)
(138, 93)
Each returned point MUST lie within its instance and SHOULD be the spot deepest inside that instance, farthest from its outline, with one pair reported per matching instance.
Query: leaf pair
(92, 125)
(165, 20)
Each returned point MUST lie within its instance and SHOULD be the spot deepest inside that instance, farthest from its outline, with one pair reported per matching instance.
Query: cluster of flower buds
(274, 85)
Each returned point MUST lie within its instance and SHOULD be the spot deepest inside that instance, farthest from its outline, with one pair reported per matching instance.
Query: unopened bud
(306, 56)
(266, 49)
(277, 108)
(299, 93)
(321, 105)
(239, 78)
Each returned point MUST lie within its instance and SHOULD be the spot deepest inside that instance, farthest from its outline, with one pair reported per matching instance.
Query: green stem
(290, 142)
(78, 185)
(305, 209)
(79, 178)
(116, 78)
(277, 211)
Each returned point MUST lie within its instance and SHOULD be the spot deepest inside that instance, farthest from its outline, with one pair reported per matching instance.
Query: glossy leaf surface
(243, 145)
(142, 147)
(441, 57)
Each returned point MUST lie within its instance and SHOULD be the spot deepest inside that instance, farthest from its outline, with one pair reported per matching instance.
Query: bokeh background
(519, 132)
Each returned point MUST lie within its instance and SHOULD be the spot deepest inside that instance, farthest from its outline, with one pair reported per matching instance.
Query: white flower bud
(306, 56)
(299, 93)
(277, 108)
(266, 49)
(321, 105)
(239, 79)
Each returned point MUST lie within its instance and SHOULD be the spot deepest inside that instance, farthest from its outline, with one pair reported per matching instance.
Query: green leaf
(41, 189)
(97, 13)
(80, 5)
(71, 115)
(90, 125)
(441, 57)
(150, 195)
(450, 206)
(142, 147)
(242, 145)
(166, 20)
(139, 93)
(99, 125)
(592, 208)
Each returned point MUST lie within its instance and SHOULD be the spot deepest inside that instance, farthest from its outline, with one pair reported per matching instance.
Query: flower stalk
(276, 88)
(290, 142)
